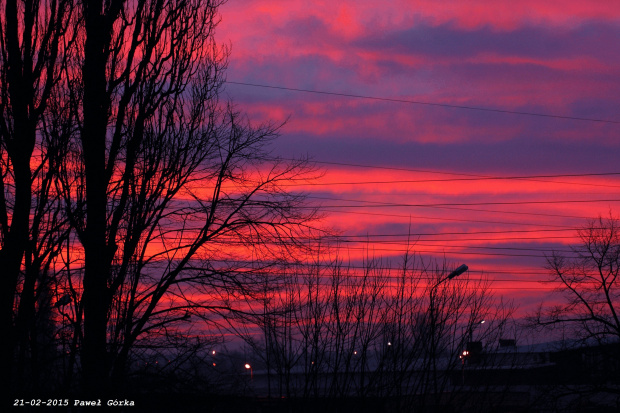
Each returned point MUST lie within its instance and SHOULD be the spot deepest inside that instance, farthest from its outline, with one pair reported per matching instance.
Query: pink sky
(552, 58)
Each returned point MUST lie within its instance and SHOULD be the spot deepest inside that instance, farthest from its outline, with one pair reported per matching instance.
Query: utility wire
(370, 245)
(414, 246)
(426, 234)
(429, 171)
(380, 205)
(460, 209)
(378, 266)
(412, 181)
(450, 252)
(419, 102)
(549, 284)
(437, 234)
(436, 218)
(473, 176)
(414, 242)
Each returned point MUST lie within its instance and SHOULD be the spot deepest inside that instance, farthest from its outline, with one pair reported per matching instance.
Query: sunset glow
(408, 174)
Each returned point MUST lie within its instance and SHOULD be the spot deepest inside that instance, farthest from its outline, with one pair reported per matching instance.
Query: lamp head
(460, 270)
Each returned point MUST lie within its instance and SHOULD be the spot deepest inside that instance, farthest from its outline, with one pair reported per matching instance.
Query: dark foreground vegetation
(152, 250)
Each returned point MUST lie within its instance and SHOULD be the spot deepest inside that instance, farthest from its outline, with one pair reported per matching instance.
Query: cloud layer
(556, 58)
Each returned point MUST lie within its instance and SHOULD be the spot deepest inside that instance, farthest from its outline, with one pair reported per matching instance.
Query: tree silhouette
(589, 283)
(587, 316)
(151, 193)
(34, 37)
(330, 333)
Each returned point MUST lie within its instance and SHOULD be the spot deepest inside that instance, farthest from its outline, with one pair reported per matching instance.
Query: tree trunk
(97, 264)
(19, 148)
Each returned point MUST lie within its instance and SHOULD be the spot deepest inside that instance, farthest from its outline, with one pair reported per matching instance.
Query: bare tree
(133, 200)
(333, 332)
(171, 175)
(587, 315)
(588, 281)
(34, 36)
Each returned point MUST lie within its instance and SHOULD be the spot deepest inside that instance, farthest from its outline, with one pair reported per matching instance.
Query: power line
(411, 181)
(414, 238)
(459, 209)
(474, 176)
(509, 212)
(450, 206)
(381, 267)
(373, 266)
(481, 177)
(365, 201)
(450, 252)
(402, 192)
(430, 234)
(378, 204)
(419, 102)
(424, 280)
(393, 168)
(498, 239)
(403, 242)
(436, 251)
(370, 244)
(435, 234)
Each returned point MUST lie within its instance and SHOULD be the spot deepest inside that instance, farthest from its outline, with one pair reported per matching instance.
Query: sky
(421, 102)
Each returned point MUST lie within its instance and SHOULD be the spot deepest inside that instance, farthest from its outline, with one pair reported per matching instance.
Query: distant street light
(248, 367)
(463, 356)
(470, 343)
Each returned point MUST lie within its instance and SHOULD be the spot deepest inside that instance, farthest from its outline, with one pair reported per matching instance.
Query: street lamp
(248, 367)
(458, 271)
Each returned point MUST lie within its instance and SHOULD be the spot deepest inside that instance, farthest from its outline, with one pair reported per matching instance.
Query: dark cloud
(449, 40)
(523, 155)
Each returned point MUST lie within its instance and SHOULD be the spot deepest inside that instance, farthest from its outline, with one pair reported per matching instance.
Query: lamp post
(249, 367)
(460, 270)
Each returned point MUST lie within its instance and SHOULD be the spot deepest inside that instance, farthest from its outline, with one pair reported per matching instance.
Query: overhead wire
(564, 201)
(370, 245)
(404, 242)
(434, 234)
(462, 209)
(546, 285)
(441, 206)
(469, 177)
(489, 178)
(423, 103)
